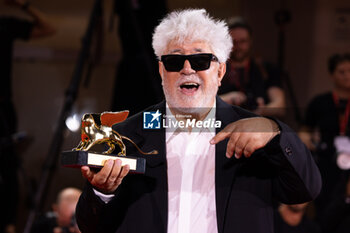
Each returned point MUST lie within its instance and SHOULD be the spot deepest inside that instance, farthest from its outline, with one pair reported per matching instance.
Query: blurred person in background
(62, 218)
(11, 29)
(249, 81)
(326, 128)
(294, 219)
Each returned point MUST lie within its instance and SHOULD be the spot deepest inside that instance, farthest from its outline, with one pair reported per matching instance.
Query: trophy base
(97, 160)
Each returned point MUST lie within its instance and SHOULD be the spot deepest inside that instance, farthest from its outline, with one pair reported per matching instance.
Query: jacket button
(288, 150)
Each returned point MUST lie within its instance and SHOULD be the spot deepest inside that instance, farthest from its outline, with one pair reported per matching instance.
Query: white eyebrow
(175, 51)
(198, 50)
(179, 50)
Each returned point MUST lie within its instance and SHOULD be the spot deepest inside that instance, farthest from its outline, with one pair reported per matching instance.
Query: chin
(191, 104)
(185, 104)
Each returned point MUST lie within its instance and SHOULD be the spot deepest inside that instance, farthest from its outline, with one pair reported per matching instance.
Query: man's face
(241, 44)
(65, 207)
(341, 75)
(188, 88)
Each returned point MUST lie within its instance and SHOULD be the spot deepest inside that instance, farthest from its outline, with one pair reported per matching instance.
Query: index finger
(219, 137)
(225, 133)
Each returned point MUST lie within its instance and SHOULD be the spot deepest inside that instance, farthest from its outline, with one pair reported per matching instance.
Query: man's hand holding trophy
(97, 129)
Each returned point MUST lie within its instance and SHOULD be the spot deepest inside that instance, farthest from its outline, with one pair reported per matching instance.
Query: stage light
(73, 122)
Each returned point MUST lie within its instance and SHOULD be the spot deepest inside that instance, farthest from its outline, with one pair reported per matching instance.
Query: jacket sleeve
(95, 216)
(298, 178)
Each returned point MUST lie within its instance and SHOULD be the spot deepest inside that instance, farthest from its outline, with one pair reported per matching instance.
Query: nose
(187, 69)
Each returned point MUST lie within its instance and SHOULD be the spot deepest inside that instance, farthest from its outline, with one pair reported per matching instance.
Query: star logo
(151, 120)
(156, 116)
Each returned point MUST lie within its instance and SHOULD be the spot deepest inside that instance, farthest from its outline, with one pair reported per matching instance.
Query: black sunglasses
(200, 61)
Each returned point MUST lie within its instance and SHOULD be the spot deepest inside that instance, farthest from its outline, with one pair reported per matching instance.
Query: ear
(161, 69)
(221, 72)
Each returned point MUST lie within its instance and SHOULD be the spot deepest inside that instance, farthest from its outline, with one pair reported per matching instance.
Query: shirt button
(288, 150)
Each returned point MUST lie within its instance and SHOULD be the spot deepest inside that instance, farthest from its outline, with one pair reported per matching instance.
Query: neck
(182, 115)
(342, 93)
(292, 218)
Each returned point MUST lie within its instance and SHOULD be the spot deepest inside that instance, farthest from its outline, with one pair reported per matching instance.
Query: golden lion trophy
(97, 129)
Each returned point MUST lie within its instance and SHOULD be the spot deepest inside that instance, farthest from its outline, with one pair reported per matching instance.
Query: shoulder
(321, 105)
(322, 99)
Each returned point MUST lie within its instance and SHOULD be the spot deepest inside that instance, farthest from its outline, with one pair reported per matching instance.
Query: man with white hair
(217, 177)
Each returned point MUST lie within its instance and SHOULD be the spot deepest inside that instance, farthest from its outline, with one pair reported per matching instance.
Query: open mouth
(189, 86)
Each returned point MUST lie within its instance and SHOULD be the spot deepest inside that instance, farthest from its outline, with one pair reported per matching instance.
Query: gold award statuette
(97, 129)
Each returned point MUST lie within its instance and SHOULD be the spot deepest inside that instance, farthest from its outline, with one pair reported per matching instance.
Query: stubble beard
(197, 104)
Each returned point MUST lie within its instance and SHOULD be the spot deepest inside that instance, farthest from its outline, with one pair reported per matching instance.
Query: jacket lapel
(224, 168)
(156, 165)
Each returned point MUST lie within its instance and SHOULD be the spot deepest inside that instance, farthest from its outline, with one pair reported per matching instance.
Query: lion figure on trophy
(97, 129)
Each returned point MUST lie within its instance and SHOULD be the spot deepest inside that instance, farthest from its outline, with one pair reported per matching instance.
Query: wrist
(104, 197)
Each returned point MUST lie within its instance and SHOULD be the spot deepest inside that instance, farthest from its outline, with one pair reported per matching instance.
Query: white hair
(193, 25)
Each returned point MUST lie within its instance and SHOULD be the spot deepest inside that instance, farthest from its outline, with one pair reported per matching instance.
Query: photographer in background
(249, 82)
(326, 129)
(62, 218)
(11, 29)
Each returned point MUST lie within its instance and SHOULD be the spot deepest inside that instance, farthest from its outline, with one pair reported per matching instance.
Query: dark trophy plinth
(97, 129)
(77, 159)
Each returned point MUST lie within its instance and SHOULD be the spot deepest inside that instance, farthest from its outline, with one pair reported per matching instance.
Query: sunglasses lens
(175, 62)
(200, 61)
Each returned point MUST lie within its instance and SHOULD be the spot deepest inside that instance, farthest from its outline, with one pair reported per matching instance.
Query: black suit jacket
(246, 189)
